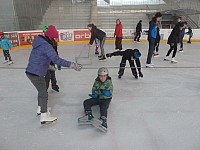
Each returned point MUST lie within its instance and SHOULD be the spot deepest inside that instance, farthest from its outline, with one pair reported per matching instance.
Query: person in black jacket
(132, 55)
(100, 35)
(138, 31)
(173, 40)
(51, 72)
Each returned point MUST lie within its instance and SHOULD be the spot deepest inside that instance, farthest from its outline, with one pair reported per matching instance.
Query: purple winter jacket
(41, 56)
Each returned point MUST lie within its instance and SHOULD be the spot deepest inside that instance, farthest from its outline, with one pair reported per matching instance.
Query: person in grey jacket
(41, 56)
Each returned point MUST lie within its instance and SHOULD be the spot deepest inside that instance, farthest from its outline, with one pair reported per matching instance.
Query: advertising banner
(66, 35)
(80, 35)
(26, 38)
(13, 37)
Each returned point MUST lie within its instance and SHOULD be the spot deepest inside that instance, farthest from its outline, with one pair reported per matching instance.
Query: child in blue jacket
(6, 45)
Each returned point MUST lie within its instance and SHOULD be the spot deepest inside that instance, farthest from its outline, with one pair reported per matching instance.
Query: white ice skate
(167, 58)
(5, 61)
(85, 120)
(39, 110)
(10, 62)
(45, 118)
(149, 65)
(174, 61)
(98, 123)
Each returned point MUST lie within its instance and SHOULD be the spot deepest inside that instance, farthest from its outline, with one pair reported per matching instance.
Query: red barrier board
(13, 37)
(81, 35)
(26, 38)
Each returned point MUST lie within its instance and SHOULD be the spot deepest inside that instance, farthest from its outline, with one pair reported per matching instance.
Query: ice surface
(159, 112)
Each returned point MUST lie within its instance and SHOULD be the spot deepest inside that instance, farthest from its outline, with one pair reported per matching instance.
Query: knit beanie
(51, 32)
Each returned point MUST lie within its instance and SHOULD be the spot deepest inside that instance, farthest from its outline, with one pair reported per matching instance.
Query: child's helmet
(45, 27)
(136, 54)
(103, 71)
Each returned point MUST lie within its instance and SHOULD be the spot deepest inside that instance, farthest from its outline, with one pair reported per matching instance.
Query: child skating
(101, 95)
(6, 45)
(173, 40)
(132, 55)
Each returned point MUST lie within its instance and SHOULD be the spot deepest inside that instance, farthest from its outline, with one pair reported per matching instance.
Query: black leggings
(103, 104)
(173, 46)
(7, 55)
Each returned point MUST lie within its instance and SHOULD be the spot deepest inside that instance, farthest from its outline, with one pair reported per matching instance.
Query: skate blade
(98, 126)
(84, 123)
(47, 123)
(173, 62)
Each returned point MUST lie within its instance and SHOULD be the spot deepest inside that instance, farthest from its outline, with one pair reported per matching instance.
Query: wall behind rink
(19, 38)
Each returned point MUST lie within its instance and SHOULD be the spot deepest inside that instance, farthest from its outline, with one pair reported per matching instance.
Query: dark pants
(118, 43)
(173, 46)
(102, 42)
(151, 49)
(157, 44)
(103, 104)
(50, 76)
(190, 39)
(40, 85)
(181, 43)
(123, 64)
(137, 36)
(7, 55)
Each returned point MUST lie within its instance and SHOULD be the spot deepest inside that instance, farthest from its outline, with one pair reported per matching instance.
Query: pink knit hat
(51, 32)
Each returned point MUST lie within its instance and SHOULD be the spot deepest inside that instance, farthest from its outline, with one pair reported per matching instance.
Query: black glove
(140, 75)
(109, 55)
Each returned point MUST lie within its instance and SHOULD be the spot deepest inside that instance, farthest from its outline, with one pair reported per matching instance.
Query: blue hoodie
(5, 44)
(41, 56)
(152, 30)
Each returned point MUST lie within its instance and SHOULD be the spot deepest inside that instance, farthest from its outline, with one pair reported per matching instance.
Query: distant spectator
(138, 31)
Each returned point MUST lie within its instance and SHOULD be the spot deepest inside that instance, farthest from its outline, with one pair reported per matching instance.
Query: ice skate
(102, 58)
(167, 58)
(156, 54)
(45, 118)
(181, 50)
(10, 62)
(136, 76)
(86, 120)
(174, 61)
(119, 76)
(39, 110)
(149, 65)
(5, 61)
(55, 88)
(100, 124)
(96, 53)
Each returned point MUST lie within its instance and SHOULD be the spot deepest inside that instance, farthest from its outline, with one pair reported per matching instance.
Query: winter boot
(86, 119)
(46, 118)
(100, 124)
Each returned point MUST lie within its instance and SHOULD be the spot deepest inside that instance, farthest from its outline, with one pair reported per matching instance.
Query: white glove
(76, 66)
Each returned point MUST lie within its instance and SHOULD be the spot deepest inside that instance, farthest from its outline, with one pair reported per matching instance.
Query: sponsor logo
(81, 35)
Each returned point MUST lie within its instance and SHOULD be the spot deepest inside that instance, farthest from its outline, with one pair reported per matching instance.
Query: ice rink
(158, 112)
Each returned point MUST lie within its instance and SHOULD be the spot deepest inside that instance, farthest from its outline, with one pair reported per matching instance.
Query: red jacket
(118, 30)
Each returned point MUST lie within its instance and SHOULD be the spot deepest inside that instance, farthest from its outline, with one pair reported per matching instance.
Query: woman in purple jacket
(41, 56)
